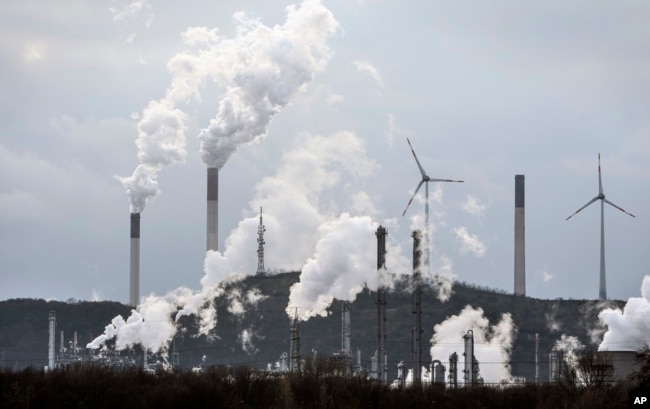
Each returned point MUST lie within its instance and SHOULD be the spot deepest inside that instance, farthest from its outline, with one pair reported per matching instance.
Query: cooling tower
(212, 239)
(520, 237)
(134, 288)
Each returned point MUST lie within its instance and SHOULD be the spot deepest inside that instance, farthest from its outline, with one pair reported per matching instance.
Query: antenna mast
(260, 248)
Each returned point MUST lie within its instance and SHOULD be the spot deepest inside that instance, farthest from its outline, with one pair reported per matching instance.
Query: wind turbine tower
(425, 180)
(601, 196)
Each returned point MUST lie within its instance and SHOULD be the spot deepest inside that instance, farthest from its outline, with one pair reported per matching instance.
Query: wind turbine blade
(578, 211)
(619, 208)
(446, 180)
(424, 174)
(600, 180)
(415, 193)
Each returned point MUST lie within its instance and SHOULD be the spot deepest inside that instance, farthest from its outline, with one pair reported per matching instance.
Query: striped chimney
(134, 288)
(520, 237)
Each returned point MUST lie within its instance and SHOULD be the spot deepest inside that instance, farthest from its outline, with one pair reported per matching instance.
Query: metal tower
(346, 333)
(417, 306)
(453, 370)
(260, 246)
(294, 351)
(382, 364)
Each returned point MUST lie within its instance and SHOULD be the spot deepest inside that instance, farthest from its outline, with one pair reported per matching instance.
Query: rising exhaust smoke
(262, 68)
(492, 343)
(628, 330)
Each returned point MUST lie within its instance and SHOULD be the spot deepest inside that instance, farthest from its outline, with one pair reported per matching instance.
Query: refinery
(319, 267)
(457, 369)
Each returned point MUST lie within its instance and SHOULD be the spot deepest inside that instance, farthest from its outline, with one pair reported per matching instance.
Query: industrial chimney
(382, 364)
(346, 332)
(50, 346)
(134, 287)
(212, 240)
(520, 237)
(417, 306)
(470, 379)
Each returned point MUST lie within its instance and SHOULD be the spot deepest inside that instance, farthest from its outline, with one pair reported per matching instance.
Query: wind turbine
(601, 196)
(425, 180)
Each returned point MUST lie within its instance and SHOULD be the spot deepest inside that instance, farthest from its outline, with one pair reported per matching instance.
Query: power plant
(379, 368)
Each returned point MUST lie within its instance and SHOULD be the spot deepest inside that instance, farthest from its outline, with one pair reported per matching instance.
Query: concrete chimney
(212, 240)
(417, 306)
(50, 346)
(520, 237)
(382, 361)
(134, 288)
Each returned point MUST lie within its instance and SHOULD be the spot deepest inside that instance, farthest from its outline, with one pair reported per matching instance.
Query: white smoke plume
(473, 206)
(293, 205)
(161, 143)
(366, 67)
(570, 346)
(341, 266)
(470, 242)
(245, 338)
(154, 323)
(492, 343)
(628, 330)
(262, 68)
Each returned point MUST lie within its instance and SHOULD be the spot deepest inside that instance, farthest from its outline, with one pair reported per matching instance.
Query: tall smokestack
(134, 288)
(520, 237)
(346, 331)
(382, 364)
(417, 305)
(50, 346)
(212, 240)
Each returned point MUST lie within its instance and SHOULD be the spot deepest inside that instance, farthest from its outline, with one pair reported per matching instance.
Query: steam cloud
(628, 330)
(262, 68)
(492, 344)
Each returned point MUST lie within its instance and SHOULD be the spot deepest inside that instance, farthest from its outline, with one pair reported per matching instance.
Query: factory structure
(410, 372)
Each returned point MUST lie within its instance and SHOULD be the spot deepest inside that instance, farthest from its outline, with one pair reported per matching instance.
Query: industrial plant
(460, 368)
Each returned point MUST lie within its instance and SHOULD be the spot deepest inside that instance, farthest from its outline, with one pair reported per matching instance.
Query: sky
(483, 92)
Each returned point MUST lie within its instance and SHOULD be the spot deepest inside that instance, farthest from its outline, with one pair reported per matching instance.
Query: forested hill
(24, 326)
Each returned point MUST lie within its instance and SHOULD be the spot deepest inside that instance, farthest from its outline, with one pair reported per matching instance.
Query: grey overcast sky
(484, 91)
